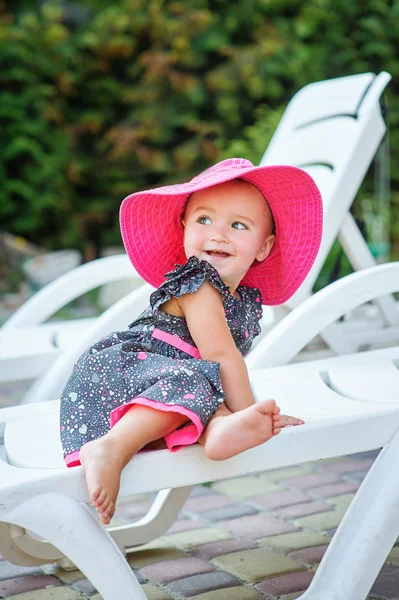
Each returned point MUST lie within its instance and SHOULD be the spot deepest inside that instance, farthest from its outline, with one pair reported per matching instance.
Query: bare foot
(102, 467)
(232, 434)
(287, 421)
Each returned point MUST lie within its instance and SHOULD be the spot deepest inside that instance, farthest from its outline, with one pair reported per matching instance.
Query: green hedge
(148, 91)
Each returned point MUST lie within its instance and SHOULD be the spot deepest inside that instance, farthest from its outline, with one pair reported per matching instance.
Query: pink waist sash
(177, 342)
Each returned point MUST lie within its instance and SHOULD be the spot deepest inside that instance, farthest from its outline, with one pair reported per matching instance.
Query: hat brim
(152, 231)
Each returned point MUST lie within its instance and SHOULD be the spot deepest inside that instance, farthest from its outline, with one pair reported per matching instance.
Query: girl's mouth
(217, 254)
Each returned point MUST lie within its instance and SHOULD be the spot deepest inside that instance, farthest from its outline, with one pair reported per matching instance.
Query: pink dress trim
(178, 438)
(175, 341)
(72, 459)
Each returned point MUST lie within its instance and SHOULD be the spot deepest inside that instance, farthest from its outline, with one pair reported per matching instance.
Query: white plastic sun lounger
(333, 130)
(28, 345)
(350, 404)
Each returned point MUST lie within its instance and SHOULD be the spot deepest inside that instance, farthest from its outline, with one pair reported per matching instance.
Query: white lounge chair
(350, 403)
(333, 130)
(28, 345)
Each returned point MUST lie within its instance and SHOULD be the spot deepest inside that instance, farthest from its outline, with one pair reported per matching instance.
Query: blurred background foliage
(99, 100)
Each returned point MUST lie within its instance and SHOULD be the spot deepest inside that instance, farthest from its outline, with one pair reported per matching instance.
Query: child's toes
(105, 519)
(276, 418)
(276, 430)
(276, 424)
(95, 494)
(100, 498)
(105, 506)
(108, 514)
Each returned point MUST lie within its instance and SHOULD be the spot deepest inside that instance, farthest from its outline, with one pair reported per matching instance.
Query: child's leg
(103, 459)
(228, 434)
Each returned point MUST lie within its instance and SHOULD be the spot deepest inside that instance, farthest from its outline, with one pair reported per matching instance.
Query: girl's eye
(238, 225)
(204, 220)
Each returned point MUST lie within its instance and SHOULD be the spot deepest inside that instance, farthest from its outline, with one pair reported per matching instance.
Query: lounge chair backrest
(57, 294)
(50, 385)
(332, 130)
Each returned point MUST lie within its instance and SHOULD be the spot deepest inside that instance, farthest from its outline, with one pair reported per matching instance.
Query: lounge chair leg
(365, 536)
(160, 517)
(73, 529)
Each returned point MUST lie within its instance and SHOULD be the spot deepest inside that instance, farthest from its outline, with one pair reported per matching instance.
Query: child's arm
(204, 313)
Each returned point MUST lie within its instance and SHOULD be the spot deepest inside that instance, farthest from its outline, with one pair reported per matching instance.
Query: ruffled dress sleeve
(253, 299)
(187, 279)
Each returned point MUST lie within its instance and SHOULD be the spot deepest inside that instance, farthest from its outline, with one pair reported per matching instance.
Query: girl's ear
(266, 248)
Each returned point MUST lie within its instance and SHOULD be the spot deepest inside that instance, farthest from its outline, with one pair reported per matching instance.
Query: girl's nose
(219, 236)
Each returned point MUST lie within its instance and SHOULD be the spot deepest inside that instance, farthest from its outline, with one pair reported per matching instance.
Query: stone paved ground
(252, 537)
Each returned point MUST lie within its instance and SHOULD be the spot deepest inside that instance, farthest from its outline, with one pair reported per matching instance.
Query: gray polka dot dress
(155, 363)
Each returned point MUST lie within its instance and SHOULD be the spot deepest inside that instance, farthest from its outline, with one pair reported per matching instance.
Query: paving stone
(185, 525)
(26, 583)
(84, 586)
(287, 584)
(368, 454)
(301, 510)
(199, 584)
(291, 596)
(208, 551)
(294, 541)
(154, 593)
(348, 466)
(312, 481)
(245, 487)
(255, 565)
(287, 473)
(69, 576)
(309, 556)
(206, 503)
(280, 499)
(9, 571)
(393, 557)
(336, 489)
(154, 552)
(207, 535)
(356, 477)
(139, 577)
(386, 585)
(229, 512)
(233, 593)
(170, 570)
(55, 593)
(331, 532)
(200, 490)
(342, 502)
(257, 526)
(322, 521)
(134, 510)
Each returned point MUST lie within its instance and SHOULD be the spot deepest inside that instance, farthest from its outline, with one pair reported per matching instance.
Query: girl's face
(229, 225)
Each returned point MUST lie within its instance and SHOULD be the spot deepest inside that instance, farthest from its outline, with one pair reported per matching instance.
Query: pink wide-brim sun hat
(152, 230)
